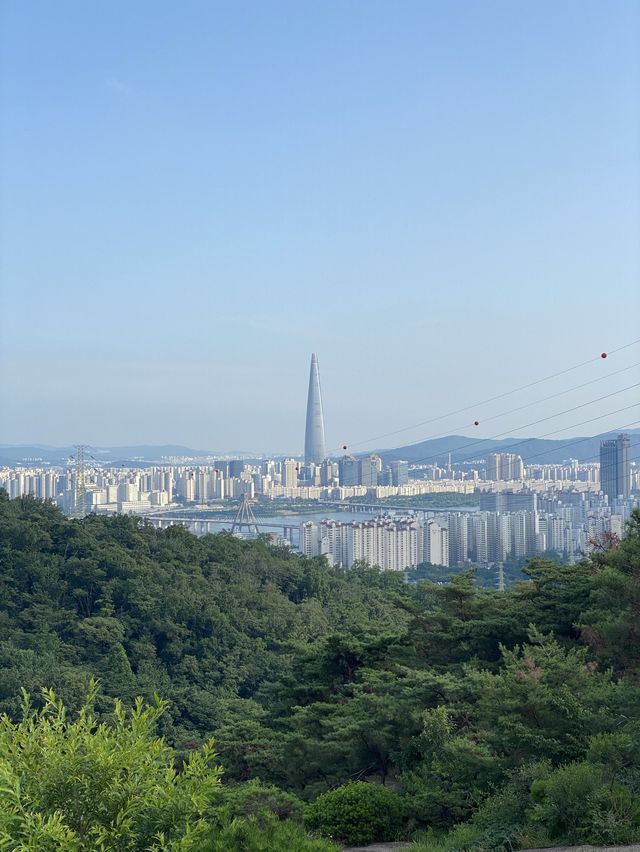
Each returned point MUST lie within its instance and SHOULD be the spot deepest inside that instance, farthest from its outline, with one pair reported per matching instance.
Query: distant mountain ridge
(533, 450)
(461, 447)
(10, 454)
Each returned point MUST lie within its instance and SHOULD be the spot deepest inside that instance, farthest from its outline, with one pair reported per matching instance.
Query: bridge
(202, 526)
(381, 508)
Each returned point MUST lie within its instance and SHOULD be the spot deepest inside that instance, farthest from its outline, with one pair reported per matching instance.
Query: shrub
(80, 784)
(561, 802)
(256, 800)
(271, 835)
(613, 817)
(357, 813)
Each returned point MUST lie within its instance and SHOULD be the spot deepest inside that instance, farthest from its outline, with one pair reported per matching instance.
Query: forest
(163, 691)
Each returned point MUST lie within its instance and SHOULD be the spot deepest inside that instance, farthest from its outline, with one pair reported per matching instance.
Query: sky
(441, 199)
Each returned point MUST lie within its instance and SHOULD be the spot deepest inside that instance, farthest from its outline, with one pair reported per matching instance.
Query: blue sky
(441, 199)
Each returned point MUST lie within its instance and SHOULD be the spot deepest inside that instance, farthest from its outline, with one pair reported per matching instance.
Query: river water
(294, 519)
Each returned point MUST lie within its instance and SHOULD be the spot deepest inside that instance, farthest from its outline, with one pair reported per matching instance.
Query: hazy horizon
(253, 452)
(441, 201)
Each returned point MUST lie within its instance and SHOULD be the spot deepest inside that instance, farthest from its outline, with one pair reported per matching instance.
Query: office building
(615, 467)
(369, 469)
(349, 471)
(399, 472)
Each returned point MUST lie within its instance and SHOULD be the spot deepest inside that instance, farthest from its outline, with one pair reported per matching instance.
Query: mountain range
(463, 448)
(533, 450)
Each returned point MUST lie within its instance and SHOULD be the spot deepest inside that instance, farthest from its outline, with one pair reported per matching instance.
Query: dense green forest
(479, 720)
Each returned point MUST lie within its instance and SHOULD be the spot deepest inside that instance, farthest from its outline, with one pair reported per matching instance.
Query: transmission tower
(79, 509)
(501, 578)
(245, 519)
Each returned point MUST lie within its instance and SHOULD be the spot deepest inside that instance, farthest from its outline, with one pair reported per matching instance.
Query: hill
(509, 719)
(466, 448)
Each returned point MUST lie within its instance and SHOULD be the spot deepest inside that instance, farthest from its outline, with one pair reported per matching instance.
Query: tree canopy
(310, 677)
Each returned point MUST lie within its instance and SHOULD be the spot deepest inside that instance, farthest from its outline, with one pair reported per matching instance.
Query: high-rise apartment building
(290, 468)
(615, 467)
(391, 544)
(504, 466)
(435, 543)
(314, 447)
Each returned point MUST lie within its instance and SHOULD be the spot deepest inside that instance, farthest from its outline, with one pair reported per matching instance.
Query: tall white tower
(314, 448)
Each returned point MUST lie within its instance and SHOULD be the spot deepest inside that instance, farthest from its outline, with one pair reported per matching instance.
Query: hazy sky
(442, 199)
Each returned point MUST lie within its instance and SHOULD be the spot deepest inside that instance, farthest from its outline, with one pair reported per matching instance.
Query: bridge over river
(202, 526)
(288, 526)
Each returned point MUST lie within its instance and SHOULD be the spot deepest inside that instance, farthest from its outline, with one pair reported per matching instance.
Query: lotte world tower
(314, 449)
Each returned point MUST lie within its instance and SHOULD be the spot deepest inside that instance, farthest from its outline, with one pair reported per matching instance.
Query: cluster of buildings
(156, 488)
(523, 510)
(508, 526)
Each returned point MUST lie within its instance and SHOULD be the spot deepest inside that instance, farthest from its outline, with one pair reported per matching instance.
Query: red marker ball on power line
(603, 354)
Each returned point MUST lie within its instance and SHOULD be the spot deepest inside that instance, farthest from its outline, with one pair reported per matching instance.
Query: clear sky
(442, 199)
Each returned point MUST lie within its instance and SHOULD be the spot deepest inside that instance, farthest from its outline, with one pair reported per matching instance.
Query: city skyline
(561, 450)
(437, 200)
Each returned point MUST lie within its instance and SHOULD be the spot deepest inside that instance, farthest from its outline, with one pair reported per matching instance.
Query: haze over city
(444, 206)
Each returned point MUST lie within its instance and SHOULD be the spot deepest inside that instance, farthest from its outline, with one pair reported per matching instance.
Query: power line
(556, 395)
(535, 422)
(597, 456)
(525, 440)
(522, 407)
(569, 410)
(497, 397)
(578, 441)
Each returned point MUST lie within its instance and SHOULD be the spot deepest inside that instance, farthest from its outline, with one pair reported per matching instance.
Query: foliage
(481, 709)
(357, 813)
(250, 835)
(93, 785)
(611, 621)
(261, 802)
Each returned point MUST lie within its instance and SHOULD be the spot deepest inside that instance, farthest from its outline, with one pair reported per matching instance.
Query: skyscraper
(615, 468)
(369, 468)
(314, 449)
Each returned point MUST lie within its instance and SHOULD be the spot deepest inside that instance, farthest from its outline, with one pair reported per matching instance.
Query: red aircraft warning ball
(603, 354)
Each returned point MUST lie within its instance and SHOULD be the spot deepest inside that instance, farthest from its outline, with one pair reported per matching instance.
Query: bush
(613, 817)
(357, 813)
(247, 835)
(561, 802)
(80, 785)
(253, 799)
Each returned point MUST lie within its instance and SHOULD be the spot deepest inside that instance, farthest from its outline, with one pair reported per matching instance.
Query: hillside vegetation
(492, 720)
